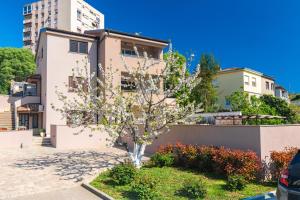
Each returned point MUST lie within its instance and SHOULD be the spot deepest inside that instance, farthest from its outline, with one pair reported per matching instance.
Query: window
(78, 47)
(79, 15)
(127, 82)
(246, 79)
(272, 86)
(267, 85)
(27, 9)
(78, 30)
(76, 82)
(76, 117)
(253, 81)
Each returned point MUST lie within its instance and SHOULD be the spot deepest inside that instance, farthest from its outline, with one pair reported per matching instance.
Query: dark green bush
(144, 187)
(162, 160)
(194, 189)
(123, 174)
(235, 182)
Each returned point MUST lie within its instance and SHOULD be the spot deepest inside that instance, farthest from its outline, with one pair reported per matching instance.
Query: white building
(69, 15)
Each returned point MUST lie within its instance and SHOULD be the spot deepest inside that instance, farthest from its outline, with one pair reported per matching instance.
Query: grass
(171, 180)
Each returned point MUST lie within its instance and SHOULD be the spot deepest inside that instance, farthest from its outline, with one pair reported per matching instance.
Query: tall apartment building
(70, 15)
(253, 82)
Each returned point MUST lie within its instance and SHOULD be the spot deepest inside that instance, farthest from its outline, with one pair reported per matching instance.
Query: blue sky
(260, 34)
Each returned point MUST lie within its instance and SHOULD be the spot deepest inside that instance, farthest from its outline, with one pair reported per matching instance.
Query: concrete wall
(64, 137)
(4, 103)
(261, 139)
(14, 139)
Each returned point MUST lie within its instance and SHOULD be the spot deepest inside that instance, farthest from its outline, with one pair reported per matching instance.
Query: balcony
(26, 21)
(27, 29)
(27, 38)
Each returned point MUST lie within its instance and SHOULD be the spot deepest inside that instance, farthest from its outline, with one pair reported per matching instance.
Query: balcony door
(24, 120)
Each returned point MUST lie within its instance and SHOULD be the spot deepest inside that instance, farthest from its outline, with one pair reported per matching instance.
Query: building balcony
(27, 38)
(27, 29)
(26, 21)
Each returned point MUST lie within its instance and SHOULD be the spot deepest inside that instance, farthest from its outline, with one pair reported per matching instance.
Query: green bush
(123, 174)
(194, 189)
(235, 182)
(162, 160)
(144, 187)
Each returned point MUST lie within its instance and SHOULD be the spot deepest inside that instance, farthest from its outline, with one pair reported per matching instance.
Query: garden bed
(171, 181)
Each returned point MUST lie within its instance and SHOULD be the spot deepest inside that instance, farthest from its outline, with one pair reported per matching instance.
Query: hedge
(218, 160)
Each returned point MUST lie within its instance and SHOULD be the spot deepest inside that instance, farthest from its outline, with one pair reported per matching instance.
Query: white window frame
(254, 82)
(246, 79)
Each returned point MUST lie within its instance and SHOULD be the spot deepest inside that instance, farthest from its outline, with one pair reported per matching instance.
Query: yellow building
(231, 80)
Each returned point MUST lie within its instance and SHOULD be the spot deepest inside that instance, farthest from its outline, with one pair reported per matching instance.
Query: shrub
(162, 160)
(123, 174)
(235, 182)
(144, 187)
(229, 162)
(194, 189)
(280, 161)
(218, 160)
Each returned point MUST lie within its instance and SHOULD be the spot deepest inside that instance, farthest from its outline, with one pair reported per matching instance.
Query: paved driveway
(38, 170)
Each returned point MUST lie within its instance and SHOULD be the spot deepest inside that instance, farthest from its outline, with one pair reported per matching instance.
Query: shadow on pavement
(73, 165)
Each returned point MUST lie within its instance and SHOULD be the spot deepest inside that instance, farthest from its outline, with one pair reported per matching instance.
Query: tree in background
(205, 92)
(182, 95)
(281, 106)
(15, 64)
(264, 105)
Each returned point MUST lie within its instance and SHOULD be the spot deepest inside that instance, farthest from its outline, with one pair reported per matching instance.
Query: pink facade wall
(4, 103)
(261, 139)
(64, 137)
(276, 138)
(16, 139)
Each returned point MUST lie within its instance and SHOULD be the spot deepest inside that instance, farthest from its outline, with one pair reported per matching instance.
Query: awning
(30, 108)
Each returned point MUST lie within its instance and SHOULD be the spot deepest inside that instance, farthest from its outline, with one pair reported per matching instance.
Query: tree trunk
(137, 154)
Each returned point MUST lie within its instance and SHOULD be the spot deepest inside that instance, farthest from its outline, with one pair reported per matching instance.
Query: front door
(24, 120)
(35, 121)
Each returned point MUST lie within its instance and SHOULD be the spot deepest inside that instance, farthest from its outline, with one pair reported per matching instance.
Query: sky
(263, 35)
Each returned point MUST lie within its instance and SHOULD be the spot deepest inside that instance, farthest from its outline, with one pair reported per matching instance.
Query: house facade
(282, 93)
(230, 80)
(70, 15)
(59, 52)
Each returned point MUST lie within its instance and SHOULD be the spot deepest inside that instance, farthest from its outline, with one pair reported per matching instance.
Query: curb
(97, 192)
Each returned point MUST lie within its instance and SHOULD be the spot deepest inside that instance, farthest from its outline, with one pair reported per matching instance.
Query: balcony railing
(26, 29)
(25, 21)
(26, 38)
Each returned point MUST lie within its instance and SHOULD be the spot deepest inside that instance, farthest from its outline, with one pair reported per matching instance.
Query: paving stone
(34, 171)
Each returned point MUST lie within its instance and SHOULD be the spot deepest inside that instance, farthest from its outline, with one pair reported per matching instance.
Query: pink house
(58, 52)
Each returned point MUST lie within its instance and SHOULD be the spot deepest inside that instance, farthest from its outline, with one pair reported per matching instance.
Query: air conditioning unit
(41, 108)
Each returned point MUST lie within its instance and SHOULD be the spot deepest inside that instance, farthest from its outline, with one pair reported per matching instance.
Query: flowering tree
(140, 115)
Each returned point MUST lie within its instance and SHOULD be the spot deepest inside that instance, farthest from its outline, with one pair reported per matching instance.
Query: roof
(91, 34)
(236, 69)
(280, 87)
(126, 34)
(46, 29)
